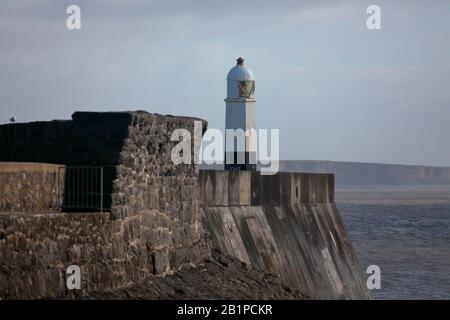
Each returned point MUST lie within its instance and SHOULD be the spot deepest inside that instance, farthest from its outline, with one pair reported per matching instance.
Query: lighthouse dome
(240, 72)
(240, 82)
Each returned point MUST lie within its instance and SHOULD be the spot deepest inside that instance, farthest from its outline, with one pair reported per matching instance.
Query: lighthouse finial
(240, 61)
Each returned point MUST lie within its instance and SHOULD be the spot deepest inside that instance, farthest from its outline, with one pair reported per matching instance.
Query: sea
(405, 231)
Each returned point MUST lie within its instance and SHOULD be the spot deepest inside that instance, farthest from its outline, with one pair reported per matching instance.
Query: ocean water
(406, 232)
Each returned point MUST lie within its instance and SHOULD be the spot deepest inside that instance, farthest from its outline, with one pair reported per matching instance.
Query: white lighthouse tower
(240, 152)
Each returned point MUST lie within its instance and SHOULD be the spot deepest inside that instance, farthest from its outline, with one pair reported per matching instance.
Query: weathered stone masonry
(153, 226)
(30, 187)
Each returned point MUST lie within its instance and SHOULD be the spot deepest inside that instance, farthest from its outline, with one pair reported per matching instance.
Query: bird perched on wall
(12, 120)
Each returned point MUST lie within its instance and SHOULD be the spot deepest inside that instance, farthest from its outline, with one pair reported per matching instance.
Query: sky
(335, 89)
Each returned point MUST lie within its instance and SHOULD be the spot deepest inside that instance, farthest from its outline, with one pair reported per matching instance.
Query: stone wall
(285, 224)
(36, 249)
(153, 227)
(158, 198)
(30, 187)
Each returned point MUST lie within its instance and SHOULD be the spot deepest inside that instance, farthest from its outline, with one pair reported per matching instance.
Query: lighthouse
(240, 139)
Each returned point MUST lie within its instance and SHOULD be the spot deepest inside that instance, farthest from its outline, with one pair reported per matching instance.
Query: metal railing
(82, 188)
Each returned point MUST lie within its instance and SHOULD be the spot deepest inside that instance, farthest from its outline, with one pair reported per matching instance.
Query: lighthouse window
(246, 88)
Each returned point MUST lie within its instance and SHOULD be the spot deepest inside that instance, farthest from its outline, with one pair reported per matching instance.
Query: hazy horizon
(336, 90)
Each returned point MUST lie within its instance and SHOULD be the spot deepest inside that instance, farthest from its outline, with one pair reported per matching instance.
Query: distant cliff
(364, 174)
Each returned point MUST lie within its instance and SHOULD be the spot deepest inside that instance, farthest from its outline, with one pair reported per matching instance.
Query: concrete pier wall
(286, 224)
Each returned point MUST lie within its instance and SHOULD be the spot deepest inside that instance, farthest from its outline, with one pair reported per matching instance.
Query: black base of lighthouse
(246, 161)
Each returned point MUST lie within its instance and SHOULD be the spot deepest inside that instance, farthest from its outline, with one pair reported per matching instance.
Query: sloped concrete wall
(287, 225)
